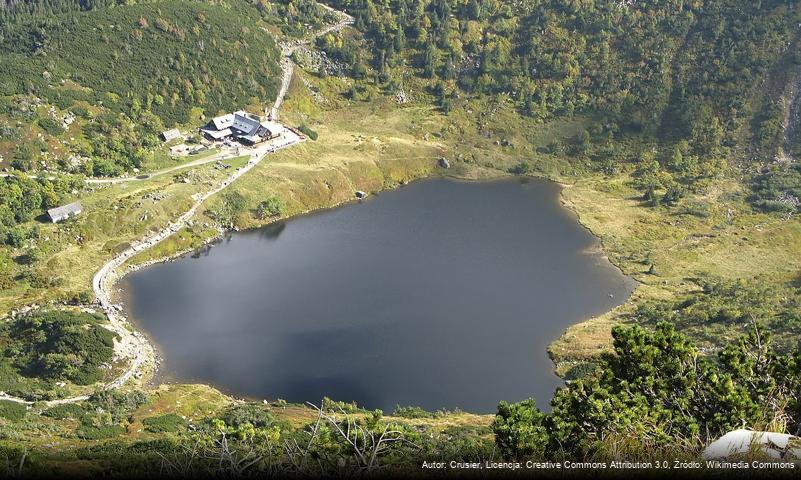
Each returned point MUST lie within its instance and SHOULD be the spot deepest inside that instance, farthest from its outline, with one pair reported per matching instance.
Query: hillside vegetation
(686, 78)
(667, 123)
(41, 348)
(124, 74)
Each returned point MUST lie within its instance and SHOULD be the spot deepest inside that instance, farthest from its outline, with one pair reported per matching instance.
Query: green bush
(51, 126)
(164, 423)
(86, 376)
(88, 432)
(58, 345)
(520, 430)
(308, 131)
(272, 207)
(467, 442)
(698, 208)
(778, 190)
(330, 405)
(67, 410)
(412, 412)
(118, 404)
(12, 410)
(231, 204)
(255, 415)
(522, 168)
(656, 390)
(13, 383)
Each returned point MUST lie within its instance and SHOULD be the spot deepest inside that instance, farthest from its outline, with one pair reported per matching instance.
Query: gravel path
(288, 48)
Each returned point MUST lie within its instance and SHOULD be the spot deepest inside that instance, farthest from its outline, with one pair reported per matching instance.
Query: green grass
(162, 160)
(730, 242)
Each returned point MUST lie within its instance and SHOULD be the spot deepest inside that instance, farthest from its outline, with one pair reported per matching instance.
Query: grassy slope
(113, 216)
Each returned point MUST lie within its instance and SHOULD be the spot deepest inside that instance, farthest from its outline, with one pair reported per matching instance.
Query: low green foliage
(330, 405)
(51, 126)
(12, 410)
(64, 411)
(308, 131)
(522, 168)
(714, 314)
(779, 190)
(656, 389)
(272, 207)
(231, 204)
(14, 383)
(107, 411)
(468, 443)
(118, 405)
(59, 345)
(255, 415)
(164, 423)
(412, 412)
(90, 432)
(519, 429)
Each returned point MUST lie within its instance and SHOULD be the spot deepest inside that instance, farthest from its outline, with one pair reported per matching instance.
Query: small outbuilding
(169, 135)
(64, 212)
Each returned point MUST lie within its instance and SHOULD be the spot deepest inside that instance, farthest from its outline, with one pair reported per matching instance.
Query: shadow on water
(272, 231)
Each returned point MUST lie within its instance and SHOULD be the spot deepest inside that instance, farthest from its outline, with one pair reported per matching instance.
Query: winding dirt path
(288, 48)
(132, 345)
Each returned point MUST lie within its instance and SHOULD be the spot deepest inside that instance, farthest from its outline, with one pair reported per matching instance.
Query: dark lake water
(441, 294)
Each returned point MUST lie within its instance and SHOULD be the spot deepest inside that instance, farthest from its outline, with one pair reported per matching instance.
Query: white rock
(743, 442)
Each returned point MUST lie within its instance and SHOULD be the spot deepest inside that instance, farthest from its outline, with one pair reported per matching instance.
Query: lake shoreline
(462, 176)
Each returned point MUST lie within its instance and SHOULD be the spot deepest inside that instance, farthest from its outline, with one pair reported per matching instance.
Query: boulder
(443, 163)
(747, 442)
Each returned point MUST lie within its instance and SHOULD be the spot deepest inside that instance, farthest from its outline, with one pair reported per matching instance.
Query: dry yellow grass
(730, 243)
